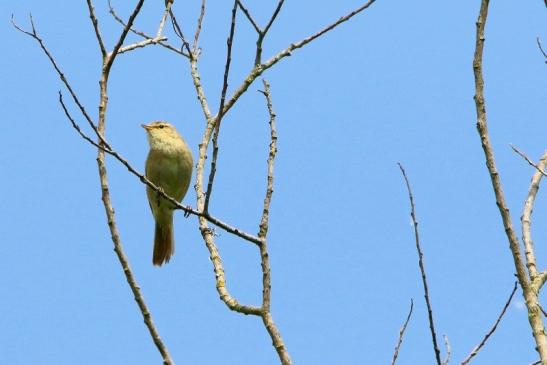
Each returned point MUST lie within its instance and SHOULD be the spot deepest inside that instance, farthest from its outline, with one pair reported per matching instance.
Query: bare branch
(34, 34)
(521, 154)
(402, 333)
(198, 28)
(264, 221)
(149, 41)
(530, 295)
(422, 268)
(75, 125)
(260, 68)
(477, 348)
(218, 119)
(249, 16)
(96, 27)
(178, 31)
(526, 220)
(109, 60)
(274, 15)
(278, 343)
(448, 350)
(540, 46)
(161, 41)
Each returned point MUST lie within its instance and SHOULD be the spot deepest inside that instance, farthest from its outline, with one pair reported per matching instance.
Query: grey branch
(477, 348)
(422, 268)
(402, 333)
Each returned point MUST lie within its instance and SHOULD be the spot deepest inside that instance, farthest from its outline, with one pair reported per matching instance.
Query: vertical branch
(263, 228)
(526, 218)
(95, 23)
(530, 295)
(422, 268)
(108, 60)
(198, 27)
(267, 318)
(220, 114)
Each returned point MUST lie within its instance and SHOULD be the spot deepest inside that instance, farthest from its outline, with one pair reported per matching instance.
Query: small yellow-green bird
(169, 166)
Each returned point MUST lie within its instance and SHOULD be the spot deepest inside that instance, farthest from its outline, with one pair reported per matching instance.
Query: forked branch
(530, 295)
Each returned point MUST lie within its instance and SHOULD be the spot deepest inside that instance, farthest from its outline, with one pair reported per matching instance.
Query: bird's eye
(161, 126)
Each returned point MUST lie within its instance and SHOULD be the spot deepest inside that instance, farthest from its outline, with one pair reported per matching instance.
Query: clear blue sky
(394, 84)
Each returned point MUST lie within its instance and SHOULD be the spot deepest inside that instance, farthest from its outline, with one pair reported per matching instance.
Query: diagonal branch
(249, 16)
(402, 333)
(105, 146)
(109, 59)
(477, 348)
(34, 34)
(422, 268)
(96, 27)
(521, 154)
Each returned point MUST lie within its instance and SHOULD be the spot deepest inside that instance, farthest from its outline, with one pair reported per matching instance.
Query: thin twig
(96, 27)
(264, 221)
(422, 268)
(539, 44)
(477, 348)
(402, 333)
(109, 59)
(161, 42)
(526, 221)
(156, 40)
(521, 154)
(179, 33)
(218, 119)
(530, 295)
(260, 68)
(198, 27)
(274, 15)
(448, 350)
(35, 36)
(249, 16)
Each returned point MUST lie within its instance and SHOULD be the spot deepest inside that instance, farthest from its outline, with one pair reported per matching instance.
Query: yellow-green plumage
(169, 166)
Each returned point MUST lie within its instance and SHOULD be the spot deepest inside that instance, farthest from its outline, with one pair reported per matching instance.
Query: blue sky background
(393, 84)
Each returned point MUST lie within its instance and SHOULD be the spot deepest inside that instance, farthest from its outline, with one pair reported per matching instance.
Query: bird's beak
(147, 127)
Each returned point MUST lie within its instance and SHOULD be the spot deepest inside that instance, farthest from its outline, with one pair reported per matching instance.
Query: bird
(169, 167)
